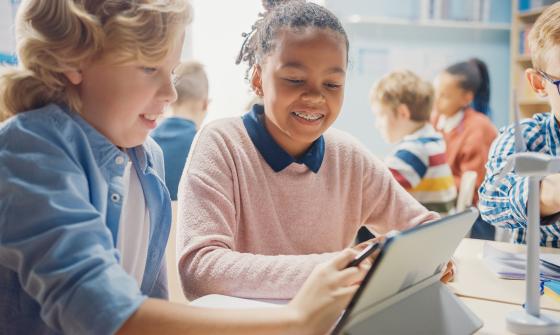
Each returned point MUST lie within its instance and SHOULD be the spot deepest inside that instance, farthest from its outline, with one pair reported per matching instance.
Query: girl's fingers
(346, 292)
(343, 258)
(351, 275)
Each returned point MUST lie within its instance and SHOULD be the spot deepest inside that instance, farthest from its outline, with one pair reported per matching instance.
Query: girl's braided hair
(293, 14)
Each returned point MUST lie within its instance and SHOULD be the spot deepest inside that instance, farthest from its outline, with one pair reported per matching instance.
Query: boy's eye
(149, 70)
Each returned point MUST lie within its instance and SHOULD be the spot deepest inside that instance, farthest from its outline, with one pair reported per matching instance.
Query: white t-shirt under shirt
(134, 226)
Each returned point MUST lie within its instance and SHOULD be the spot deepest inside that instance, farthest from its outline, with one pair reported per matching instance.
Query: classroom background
(424, 36)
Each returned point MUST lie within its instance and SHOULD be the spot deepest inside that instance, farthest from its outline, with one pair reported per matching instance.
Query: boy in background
(402, 102)
(176, 133)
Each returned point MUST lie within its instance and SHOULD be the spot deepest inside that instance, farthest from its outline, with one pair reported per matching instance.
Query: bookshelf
(521, 21)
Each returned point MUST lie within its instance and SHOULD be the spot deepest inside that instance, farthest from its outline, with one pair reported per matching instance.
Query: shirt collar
(104, 150)
(427, 131)
(447, 124)
(276, 157)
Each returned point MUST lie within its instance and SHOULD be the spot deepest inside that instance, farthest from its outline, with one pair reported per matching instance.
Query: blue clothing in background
(175, 136)
(61, 193)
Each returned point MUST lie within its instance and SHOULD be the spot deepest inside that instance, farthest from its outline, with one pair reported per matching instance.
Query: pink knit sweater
(247, 231)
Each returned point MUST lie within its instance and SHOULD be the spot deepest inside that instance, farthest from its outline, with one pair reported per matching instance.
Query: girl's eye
(333, 86)
(149, 70)
(294, 81)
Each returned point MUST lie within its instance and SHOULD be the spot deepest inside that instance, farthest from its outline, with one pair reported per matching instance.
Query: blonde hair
(56, 36)
(405, 87)
(191, 82)
(545, 35)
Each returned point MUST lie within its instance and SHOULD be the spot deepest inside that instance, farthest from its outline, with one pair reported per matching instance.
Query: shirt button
(115, 197)
(119, 160)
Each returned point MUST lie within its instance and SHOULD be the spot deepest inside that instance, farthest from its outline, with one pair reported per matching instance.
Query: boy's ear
(74, 76)
(403, 112)
(536, 81)
(256, 81)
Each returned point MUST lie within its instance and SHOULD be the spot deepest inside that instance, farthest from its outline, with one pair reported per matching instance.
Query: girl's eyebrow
(300, 66)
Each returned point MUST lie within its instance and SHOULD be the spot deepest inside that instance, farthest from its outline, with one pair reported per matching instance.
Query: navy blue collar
(273, 154)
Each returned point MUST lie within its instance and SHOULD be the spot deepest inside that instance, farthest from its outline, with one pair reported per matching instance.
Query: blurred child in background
(176, 133)
(402, 103)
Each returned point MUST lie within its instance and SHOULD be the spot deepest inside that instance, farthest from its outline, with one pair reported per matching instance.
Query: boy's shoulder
(537, 124)
(50, 122)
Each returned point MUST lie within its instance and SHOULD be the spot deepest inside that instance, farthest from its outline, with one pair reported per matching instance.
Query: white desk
(475, 280)
(489, 297)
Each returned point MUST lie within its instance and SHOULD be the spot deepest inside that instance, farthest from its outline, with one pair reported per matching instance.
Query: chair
(466, 190)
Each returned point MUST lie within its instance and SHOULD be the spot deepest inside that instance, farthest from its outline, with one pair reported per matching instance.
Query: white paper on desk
(511, 265)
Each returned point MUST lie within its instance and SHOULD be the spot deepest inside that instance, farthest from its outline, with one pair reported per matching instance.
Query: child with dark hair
(265, 197)
(460, 114)
(462, 95)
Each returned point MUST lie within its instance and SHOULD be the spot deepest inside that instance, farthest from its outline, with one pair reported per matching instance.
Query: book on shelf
(458, 10)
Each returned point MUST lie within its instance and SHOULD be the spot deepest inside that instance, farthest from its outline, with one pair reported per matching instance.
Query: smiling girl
(265, 197)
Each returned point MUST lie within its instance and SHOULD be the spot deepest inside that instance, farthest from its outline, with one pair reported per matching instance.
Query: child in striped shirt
(401, 102)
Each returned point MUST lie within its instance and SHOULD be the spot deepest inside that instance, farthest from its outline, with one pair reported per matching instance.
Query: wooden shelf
(525, 59)
(520, 20)
(533, 102)
(470, 25)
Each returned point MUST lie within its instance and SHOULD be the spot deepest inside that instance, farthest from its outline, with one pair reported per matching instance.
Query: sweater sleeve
(209, 257)
(387, 206)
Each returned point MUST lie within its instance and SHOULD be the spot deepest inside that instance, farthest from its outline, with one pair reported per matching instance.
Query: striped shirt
(505, 204)
(419, 164)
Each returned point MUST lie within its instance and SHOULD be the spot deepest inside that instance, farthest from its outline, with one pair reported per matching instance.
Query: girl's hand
(326, 292)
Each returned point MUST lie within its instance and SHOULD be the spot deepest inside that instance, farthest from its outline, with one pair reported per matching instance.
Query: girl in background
(461, 109)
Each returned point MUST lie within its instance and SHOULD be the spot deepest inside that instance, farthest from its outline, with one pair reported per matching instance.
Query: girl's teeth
(151, 117)
(308, 117)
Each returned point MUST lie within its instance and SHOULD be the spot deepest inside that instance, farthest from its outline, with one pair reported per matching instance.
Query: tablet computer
(412, 258)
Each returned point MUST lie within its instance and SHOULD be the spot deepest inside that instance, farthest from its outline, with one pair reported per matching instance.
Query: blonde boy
(506, 205)
(402, 102)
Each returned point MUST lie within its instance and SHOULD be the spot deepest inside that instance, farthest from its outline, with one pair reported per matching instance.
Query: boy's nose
(168, 93)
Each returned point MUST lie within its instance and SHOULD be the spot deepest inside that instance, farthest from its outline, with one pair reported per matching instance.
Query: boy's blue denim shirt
(60, 203)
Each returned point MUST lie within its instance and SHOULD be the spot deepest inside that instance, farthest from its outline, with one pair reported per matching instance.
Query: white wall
(216, 40)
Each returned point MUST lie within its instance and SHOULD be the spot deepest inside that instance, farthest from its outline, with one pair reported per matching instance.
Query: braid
(294, 14)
